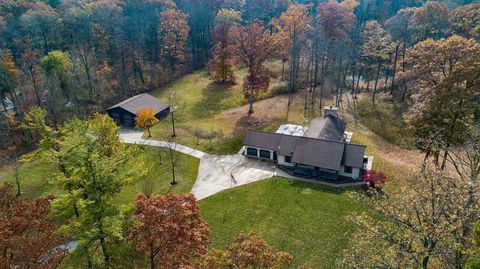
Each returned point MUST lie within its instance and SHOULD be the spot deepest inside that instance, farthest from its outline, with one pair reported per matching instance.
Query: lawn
(206, 105)
(37, 177)
(307, 220)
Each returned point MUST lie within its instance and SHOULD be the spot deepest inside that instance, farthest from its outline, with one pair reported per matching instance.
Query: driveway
(129, 134)
(215, 173)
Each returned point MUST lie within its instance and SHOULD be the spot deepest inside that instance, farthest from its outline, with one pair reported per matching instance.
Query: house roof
(263, 140)
(317, 152)
(136, 103)
(329, 127)
(354, 155)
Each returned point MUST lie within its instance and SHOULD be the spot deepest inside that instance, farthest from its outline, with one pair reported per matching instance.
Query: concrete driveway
(129, 134)
(215, 173)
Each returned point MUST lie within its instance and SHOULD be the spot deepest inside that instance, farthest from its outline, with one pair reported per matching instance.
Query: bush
(373, 178)
(279, 88)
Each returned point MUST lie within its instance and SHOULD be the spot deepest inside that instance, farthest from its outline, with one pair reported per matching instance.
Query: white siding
(281, 161)
(355, 172)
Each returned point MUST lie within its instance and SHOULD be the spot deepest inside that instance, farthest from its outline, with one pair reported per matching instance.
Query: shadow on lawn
(214, 100)
(300, 185)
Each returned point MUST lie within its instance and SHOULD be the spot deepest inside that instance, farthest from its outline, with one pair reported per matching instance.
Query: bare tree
(176, 111)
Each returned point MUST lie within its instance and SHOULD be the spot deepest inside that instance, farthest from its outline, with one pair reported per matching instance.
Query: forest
(64, 62)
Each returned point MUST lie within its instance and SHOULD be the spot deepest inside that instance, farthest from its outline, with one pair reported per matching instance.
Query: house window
(348, 169)
(288, 159)
(265, 154)
(252, 152)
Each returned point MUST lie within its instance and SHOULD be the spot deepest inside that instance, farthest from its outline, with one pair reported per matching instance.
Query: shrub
(374, 178)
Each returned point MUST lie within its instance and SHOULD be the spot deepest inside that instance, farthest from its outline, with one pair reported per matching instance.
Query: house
(321, 151)
(124, 113)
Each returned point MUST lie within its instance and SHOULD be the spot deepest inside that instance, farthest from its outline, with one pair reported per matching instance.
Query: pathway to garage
(220, 172)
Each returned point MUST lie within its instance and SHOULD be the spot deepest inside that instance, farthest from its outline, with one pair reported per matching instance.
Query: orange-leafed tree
(27, 233)
(145, 119)
(246, 251)
(255, 45)
(169, 230)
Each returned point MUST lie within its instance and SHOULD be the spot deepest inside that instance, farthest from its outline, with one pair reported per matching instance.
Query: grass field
(206, 105)
(37, 178)
(307, 220)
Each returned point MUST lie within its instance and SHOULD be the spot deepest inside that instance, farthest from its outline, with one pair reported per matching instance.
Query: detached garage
(124, 113)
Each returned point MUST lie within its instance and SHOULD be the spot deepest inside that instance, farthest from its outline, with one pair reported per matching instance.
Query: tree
(169, 230)
(377, 48)
(443, 79)
(464, 21)
(430, 20)
(91, 167)
(255, 45)
(145, 119)
(173, 33)
(27, 233)
(223, 60)
(246, 251)
(8, 71)
(295, 24)
(425, 222)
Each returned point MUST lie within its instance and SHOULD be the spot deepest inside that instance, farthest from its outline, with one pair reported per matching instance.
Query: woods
(404, 71)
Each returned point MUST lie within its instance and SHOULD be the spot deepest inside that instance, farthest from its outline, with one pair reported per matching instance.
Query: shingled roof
(329, 127)
(317, 152)
(137, 102)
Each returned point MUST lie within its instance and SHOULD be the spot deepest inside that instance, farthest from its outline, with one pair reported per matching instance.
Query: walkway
(220, 172)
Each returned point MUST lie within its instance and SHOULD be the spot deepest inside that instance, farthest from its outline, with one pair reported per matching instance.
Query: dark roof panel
(328, 127)
(261, 139)
(136, 103)
(354, 155)
(319, 153)
(287, 145)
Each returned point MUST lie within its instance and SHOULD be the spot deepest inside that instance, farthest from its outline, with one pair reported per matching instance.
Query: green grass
(385, 119)
(304, 219)
(201, 101)
(37, 177)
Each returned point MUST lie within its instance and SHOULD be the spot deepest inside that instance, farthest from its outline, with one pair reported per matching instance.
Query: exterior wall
(122, 117)
(163, 114)
(281, 161)
(355, 172)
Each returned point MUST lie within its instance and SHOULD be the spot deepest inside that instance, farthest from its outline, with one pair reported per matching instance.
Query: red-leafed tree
(335, 19)
(255, 45)
(374, 178)
(169, 230)
(27, 233)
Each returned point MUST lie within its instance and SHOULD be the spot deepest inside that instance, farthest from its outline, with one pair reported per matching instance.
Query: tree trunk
(250, 96)
(394, 68)
(174, 134)
(376, 84)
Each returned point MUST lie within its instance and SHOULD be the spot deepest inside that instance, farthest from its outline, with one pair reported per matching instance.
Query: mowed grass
(307, 220)
(37, 177)
(200, 101)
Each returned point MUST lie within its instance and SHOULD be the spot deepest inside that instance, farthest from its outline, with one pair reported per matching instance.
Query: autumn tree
(28, 237)
(223, 61)
(426, 222)
(169, 230)
(294, 24)
(145, 119)
(91, 167)
(464, 21)
(430, 20)
(173, 33)
(444, 79)
(377, 48)
(8, 71)
(255, 45)
(246, 251)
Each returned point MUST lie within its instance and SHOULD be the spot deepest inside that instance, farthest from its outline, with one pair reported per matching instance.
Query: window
(348, 169)
(252, 152)
(288, 159)
(265, 154)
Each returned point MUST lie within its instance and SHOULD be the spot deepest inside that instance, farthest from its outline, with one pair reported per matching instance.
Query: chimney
(330, 110)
